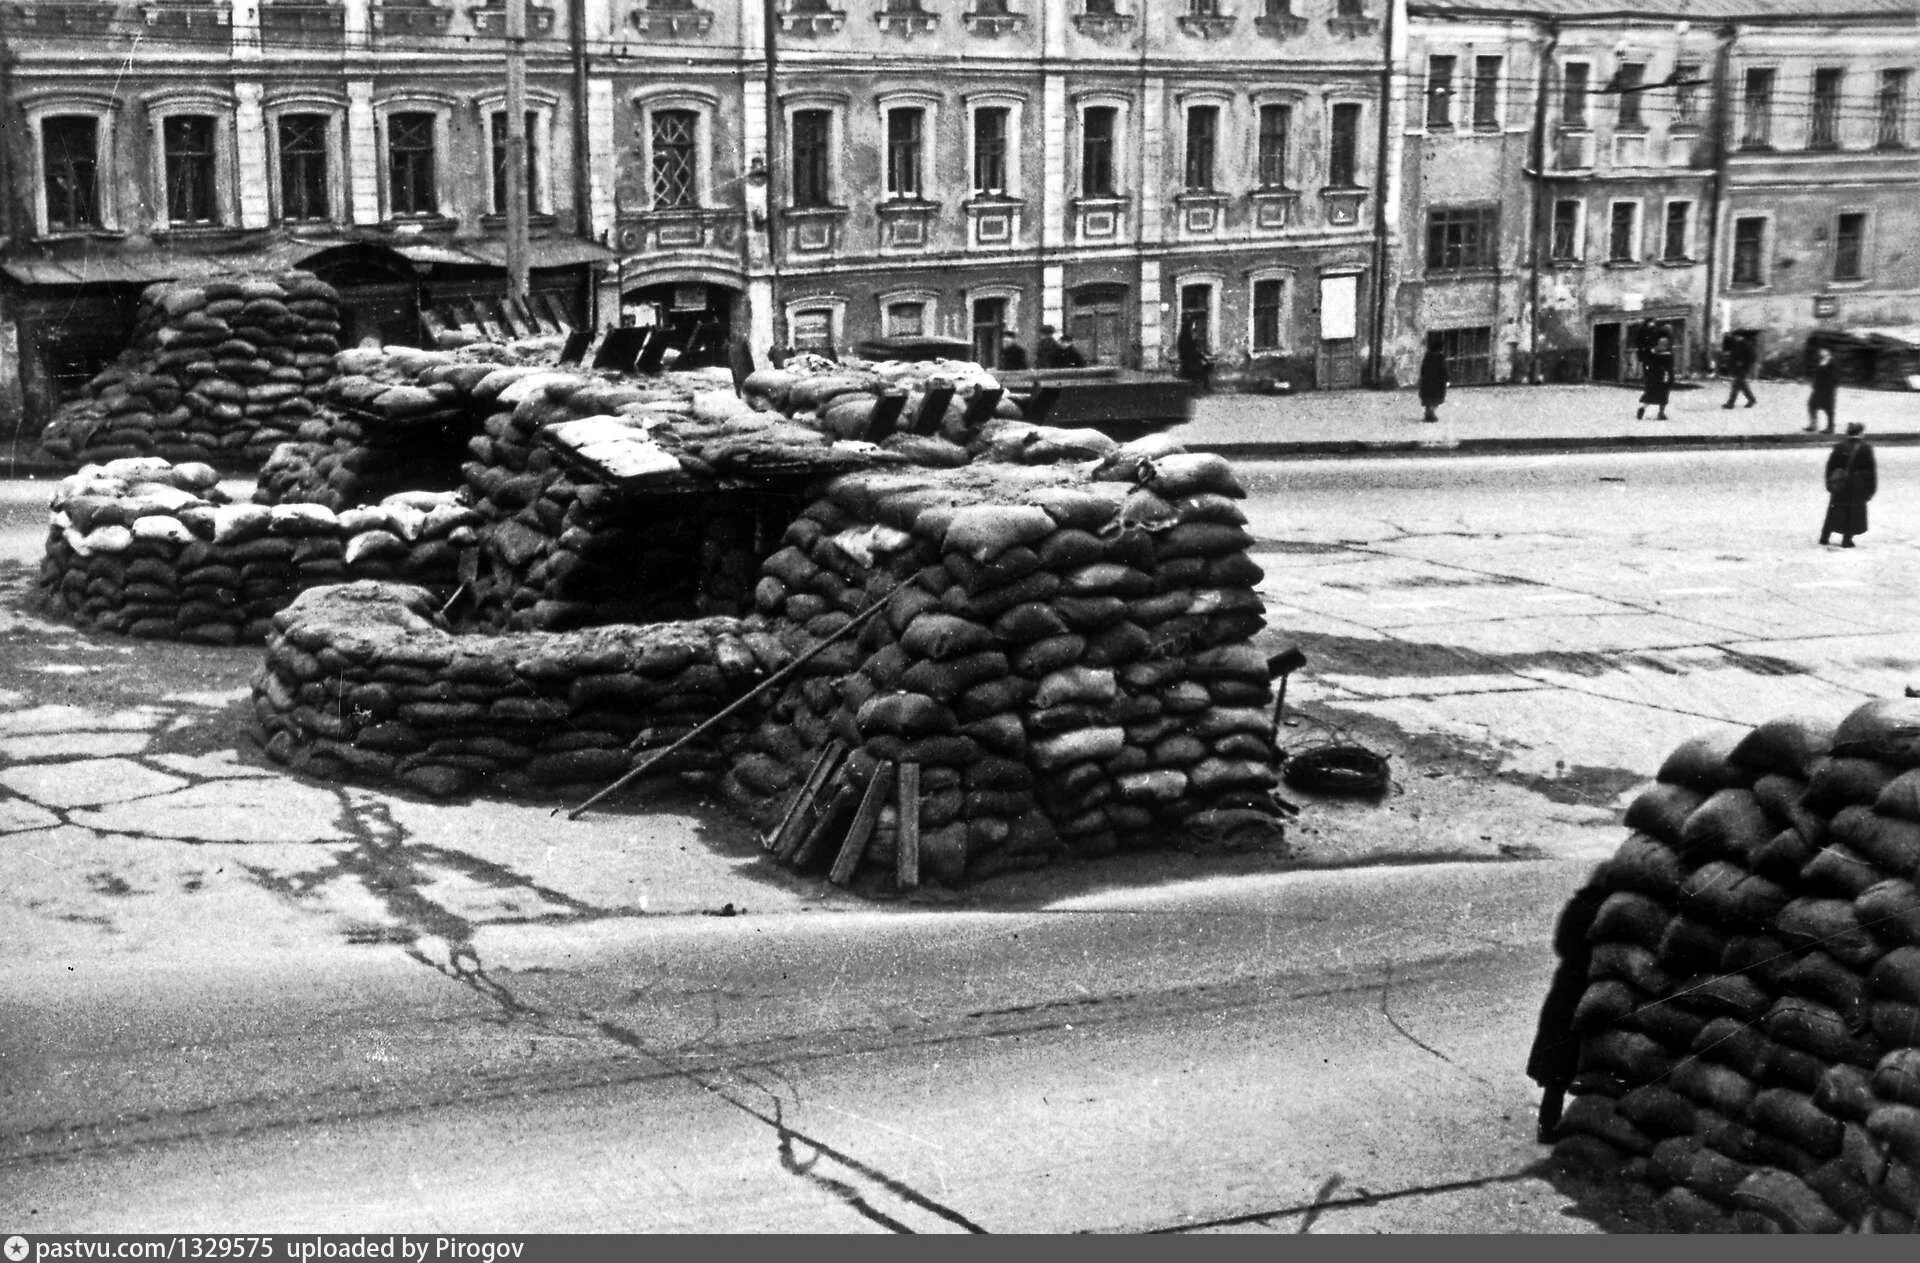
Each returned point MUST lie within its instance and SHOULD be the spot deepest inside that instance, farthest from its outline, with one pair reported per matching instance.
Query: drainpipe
(1545, 78)
(1382, 182)
(7, 131)
(582, 148)
(776, 154)
(1716, 190)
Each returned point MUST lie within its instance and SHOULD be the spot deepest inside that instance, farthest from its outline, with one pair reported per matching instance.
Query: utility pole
(516, 173)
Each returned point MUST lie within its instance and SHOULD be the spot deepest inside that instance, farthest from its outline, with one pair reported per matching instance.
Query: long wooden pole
(516, 156)
(858, 620)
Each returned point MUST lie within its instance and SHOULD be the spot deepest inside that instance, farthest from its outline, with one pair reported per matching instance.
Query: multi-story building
(1574, 174)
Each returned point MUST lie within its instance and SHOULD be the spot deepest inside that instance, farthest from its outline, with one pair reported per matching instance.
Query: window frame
(440, 109)
(1860, 269)
(1756, 106)
(492, 109)
(1475, 228)
(1284, 158)
(1577, 250)
(927, 300)
(163, 108)
(1631, 116)
(1636, 231)
(1825, 115)
(1760, 272)
(1008, 295)
(103, 110)
(1890, 107)
(1574, 114)
(1689, 214)
(1118, 174)
(1200, 154)
(825, 166)
(1014, 108)
(1336, 110)
(1487, 99)
(1686, 97)
(835, 307)
(333, 112)
(1438, 113)
(1281, 310)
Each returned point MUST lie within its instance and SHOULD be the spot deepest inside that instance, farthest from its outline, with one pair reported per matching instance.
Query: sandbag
(1788, 745)
(1630, 918)
(1661, 812)
(1728, 824)
(1890, 910)
(1702, 764)
(1886, 729)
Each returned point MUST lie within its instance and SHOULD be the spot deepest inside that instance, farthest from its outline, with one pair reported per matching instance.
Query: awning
(544, 252)
(113, 269)
(433, 252)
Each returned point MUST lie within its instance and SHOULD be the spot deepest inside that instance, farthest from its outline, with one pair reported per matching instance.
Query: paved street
(242, 1000)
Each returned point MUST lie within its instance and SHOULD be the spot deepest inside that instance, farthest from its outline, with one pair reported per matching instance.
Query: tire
(1345, 770)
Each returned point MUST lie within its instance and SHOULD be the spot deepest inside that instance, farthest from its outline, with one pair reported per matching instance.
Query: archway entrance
(379, 293)
(696, 315)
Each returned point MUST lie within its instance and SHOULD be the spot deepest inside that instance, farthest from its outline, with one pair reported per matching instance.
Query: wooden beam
(803, 799)
(907, 803)
(862, 827)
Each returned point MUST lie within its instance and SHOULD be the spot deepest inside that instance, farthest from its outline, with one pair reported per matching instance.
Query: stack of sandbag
(363, 681)
(930, 407)
(219, 370)
(1750, 1035)
(156, 550)
(1067, 661)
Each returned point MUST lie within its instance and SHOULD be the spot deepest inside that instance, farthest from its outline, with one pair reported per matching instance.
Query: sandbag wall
(155, 550)
(1067, 662)
(363, 681)
(219, 371)
(1750, 1033)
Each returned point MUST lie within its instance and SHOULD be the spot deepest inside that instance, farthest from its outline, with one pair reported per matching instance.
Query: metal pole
(516, 173)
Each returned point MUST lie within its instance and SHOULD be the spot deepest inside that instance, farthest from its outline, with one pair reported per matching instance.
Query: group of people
(1054, 350)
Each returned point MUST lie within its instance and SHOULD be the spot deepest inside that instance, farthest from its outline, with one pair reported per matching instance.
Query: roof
(1710, 11)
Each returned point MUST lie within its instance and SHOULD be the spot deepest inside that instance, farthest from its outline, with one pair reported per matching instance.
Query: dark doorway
(1096, 318)
(1608, 363)
(697, 318)
(379, 293)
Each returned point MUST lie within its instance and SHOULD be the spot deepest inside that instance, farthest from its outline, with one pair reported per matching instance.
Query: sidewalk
(1484, 419)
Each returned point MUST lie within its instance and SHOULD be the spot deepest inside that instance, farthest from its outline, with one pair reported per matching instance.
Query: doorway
(697, 318)
(1607, 360)
(1095, 318)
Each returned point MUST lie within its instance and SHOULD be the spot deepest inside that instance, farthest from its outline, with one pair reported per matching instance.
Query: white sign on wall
(1339, 306)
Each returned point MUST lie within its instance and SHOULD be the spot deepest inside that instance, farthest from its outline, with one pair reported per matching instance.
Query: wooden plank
(907, 802)
(833, 822)
(803, 797)
(862, 827)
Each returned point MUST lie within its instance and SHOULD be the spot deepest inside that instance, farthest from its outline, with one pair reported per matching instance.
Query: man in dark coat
(1741, 355)
(1851, 482)
(1826, 389)
(1196, 361)
(1046, 352)
(1013, 356)
(1433, 379)
(1555, 1056)
(1067, 353)
(1658, 382)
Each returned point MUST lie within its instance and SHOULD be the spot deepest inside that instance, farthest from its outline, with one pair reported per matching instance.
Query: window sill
(81, 234)
(994, 25)
(1622, 265)
(1206, 25)
(199, 232)
(1103, 25)
(537, 220)
(1681, 262)
(416, 225)
(813, 212)
(1848, 284)
(1479, 272)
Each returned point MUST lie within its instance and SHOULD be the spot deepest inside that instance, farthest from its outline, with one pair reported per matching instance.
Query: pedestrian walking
(1826, 390)
(1046, 352)
(1851, 482)
(1433, 378)
(1555, 1056)
(1657, 379)
(1196, 361)
(1740, 354)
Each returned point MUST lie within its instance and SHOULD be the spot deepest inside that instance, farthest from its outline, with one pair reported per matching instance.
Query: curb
(1520, 445)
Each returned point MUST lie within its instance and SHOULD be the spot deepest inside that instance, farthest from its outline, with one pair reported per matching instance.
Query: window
(1204, 8)
(1276, 125)
(303, 166)
(1686, 100)
(905, 129)
(1343, 154)
(1632, 75)
(186, 142)
(1677, 243)
(410, 164)
(1849, 247)
(1196, 314)
(71, 156)
(989, 329)
(1623, 233)
(1350, 8)
(990, 128)
(1440, 92)
(812, 136)
(1096, 150)
(1101, 8)
(675, 140)
(812, 330)
(497, 126)
(1892, 111)
(1486, 93)
(1824, 133)
(906, 320)
(1462, 237)
(1203, 133)
(1275, 9)
(1269, 315)
(1757, 132)
(1573, 94)
(1566, 230)
(1749, 237)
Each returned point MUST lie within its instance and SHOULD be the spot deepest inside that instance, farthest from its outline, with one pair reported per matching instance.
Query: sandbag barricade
(1066, 665)
(364, 681)
(1750, 1033)
(155, 550)
(218, 371)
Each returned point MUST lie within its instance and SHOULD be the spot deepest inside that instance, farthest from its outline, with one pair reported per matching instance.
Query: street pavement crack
(1386, 1011)
(1320, 1204)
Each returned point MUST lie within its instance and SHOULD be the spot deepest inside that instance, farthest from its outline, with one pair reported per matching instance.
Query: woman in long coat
(1826, 390)
(1851, 482)
(1433, 379)
(1658, 367)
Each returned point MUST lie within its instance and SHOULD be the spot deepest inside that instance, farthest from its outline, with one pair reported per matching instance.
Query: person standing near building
(1826, 390)
(1013, 356)
(1046, 352)
(1555, 1055)
(1433, 378)
(1196, 361)
(1066, 353)
(1741, 355)
(1851, 482)
(1657, 384)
